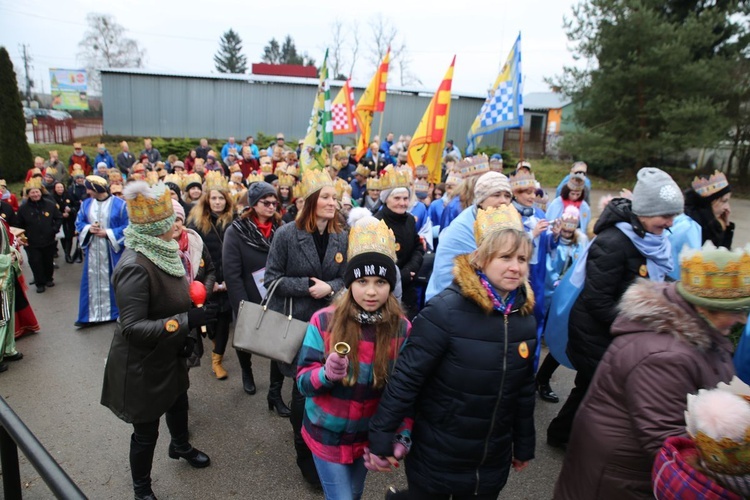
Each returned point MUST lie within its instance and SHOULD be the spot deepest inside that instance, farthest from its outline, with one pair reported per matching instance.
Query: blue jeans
(341, 481)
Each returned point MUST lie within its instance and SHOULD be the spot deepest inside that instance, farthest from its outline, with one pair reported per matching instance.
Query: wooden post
(520, 145)
(380, 129)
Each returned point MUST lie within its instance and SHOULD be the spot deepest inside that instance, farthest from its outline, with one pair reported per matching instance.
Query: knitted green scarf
(164, 254)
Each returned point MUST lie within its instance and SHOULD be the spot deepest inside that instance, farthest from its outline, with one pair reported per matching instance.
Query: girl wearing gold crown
(471, 390)
(309, 259)
(346, 359)
(210, 218)
(707, 203)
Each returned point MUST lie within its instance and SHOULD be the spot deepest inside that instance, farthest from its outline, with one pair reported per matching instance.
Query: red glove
(336, 367)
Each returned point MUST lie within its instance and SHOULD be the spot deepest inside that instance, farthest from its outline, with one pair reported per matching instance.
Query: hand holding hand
(336, 367)
(399, 451)
(519, 465)
(376, 464)
(320, 289)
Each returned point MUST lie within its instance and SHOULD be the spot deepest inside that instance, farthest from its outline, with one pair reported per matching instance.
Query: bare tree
(104, 45)
(384, 34)
(336, 53)
(355, 45)
(401, 56)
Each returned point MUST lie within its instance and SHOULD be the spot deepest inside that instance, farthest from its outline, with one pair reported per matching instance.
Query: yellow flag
(428, 142)
(373, 99)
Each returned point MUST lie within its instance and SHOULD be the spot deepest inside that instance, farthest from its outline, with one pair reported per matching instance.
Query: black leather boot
(246, 363)
(67, 244)
(79, 256)
(141, 458)
(181, 448)
(275, 402)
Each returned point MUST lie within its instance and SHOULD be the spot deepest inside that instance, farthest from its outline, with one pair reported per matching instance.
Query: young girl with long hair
(346, 360)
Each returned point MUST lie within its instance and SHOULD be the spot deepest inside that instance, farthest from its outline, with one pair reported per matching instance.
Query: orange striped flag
(372, 100)
(342, 111)
(428, 142)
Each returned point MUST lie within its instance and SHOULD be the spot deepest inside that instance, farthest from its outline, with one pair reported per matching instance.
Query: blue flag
(503, 107)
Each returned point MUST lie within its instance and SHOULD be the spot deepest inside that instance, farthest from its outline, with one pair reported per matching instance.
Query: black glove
(188, 347)
(196, 317)
(212, 312)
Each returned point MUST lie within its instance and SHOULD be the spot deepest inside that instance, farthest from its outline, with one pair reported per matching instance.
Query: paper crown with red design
(393, 178)
(454, 179)
(710, 186)
(475, 165)
(496, 219)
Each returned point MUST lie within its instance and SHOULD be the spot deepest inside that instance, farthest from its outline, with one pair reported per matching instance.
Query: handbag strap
(267, 299)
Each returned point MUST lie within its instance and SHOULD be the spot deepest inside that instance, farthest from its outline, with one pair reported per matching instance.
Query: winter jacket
(467, 376)
(242, 259)
(214, 240)
(125, 160)
(457, 239)
(337, 417)
(201, 265)
(145, 372)
(662, 351)
(293, 258)
(41, 220)
(106, 158)
(612, 265)
(712, 230)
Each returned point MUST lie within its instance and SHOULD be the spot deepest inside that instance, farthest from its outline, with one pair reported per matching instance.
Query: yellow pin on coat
(339, 258)
(523, 350)
(643, 271)
(172, 326)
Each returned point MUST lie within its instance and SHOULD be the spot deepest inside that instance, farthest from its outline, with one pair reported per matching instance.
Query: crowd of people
(373, 255)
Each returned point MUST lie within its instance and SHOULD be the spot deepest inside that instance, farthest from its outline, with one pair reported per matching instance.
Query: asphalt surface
(55, 389)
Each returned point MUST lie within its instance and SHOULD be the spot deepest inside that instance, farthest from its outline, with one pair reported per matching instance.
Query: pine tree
(15, 154)
(229, 58)
(657, 80)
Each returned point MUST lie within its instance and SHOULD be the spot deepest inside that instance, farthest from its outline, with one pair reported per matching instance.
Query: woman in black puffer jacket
(467, 376)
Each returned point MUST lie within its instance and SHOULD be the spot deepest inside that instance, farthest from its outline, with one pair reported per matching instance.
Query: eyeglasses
(268, 204)
(579, 173)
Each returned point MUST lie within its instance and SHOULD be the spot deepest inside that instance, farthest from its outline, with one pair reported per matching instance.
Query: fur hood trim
(657, 307)
(472, 288)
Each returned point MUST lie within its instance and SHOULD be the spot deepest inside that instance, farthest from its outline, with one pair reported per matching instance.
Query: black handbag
(268, 333)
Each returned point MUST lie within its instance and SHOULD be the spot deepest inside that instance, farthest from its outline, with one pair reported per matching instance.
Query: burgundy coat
(662, 351)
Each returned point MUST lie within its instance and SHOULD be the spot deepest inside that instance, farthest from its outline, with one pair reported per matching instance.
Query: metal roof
(545, 100)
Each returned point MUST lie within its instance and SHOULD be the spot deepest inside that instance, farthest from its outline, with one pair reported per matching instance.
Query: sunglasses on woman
(268, 204)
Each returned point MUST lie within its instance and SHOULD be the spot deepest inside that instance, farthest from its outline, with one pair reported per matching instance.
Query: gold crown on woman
(314, 180)
(475, 165)
(174, 179)
(453, 179)
(286, 180)
(152, 177)
(33, 183)
(372, 237)
(293, 170)
(522, 180)
(266, 166)
(373, 183)
(147, 204)
(707, 187)
(341, 187)
(192, 179)
(114, 176)
(215, 181)
(716, 275)
(281, 168)
(393, 178)
(496, 219)
(254, 177)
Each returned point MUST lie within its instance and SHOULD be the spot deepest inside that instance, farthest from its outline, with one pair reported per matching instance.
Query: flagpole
(520, 142)
(380, 128)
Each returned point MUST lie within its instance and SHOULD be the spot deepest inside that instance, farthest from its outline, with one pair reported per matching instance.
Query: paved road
(56, 388)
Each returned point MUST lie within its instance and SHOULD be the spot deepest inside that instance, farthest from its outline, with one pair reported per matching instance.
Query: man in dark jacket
(616, 258)
(42, 220)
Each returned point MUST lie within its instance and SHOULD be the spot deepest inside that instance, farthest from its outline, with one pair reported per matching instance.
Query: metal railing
(13, 435)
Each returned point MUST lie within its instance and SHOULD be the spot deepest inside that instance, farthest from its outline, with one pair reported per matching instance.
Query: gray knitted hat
(258, 191)
(656, 193)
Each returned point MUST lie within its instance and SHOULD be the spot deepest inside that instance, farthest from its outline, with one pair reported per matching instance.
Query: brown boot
(218, 370)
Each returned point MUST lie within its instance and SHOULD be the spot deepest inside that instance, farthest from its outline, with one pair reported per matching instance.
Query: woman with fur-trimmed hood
(670, 340)
(467, 373)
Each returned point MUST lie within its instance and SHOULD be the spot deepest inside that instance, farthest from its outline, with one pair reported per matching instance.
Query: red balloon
(198, 293)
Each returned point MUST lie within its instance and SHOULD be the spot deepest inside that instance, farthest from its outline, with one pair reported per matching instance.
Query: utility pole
(26, 67)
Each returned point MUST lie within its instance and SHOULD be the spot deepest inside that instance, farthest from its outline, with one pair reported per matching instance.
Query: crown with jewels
(266, 166)
(373, 183)
(393, 178)
(454, 179)
(341, 187)
(173, 178)
(254, 177)
(148, 204)
(281, 168)
(571, 217)
(712, 185)
(293, 170)
(193, 179)
(716, 278)
(475, 165)
(286, 180)
(215, 181)
(496, 164)
(313, 181)
(496, 219)
(421, 186)
(522, 180)
(718, 420)
(372, 237)
(421, 171)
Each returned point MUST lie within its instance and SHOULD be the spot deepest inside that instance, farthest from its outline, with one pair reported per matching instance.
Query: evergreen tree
(229, 58)
(273, 53)
(657, 80)
(15, 154)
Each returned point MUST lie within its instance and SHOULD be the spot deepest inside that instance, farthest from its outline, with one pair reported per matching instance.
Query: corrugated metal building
(147, 103)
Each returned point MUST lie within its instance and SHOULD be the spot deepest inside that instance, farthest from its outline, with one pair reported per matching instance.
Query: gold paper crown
(148, 204)
(234, 168)
(293, 170)
(315, 180)
(287, 180)
(152, 177)
(476, 165)
(522, 180)
(254, 178)
(193, 179)
(362, 170)
(114, 176)
(266, 166)
(712, 185)
(33, 183)
(392, 178)
(372, 237)
(281, 168)
(77, 170)
(298, 191)
(341, 187)
(214, 180)
(715, 277)
(51, 171)
(496, 219)
(174, 179)
(373, 183)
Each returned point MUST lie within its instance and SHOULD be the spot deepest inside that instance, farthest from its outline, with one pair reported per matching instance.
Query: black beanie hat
(370, 264)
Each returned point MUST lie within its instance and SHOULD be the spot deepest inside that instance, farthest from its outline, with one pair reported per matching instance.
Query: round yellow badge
(172, 326)
(643, 270)
(202, 263)
(46, 214)
(523, 350)
(339, 258)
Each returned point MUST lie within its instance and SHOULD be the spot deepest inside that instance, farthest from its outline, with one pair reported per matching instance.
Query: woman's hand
(220, 287)
(320, 289)
(540, 227)
(724, 218)
(376, 464)
(519, 465)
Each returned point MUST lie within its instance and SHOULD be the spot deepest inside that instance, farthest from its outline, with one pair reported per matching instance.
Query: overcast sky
(183, 36)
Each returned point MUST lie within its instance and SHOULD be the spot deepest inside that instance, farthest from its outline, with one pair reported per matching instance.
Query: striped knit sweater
(337, 417)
